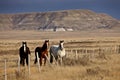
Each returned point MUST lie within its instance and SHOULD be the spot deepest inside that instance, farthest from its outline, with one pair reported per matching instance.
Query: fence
(4, 67)
(74, 52)
(92, 51)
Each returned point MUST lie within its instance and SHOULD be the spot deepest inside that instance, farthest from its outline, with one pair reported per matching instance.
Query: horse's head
(47, 43)
(61, 44)
(24, 44)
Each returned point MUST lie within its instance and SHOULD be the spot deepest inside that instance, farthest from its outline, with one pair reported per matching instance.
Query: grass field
(104, 66)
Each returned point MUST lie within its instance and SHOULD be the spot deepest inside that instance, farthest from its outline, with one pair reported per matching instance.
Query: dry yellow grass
(104, 66)
(99, 69)
(95, 69)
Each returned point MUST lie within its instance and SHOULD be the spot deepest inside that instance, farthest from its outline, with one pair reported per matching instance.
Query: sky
(111, 7)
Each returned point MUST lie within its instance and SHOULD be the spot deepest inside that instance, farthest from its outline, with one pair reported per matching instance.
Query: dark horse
(23, 52)
(42, 52)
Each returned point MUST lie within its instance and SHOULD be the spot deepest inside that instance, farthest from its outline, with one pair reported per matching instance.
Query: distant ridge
(67, 20)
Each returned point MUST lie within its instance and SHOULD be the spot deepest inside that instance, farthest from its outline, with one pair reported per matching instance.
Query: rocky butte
(66, 20)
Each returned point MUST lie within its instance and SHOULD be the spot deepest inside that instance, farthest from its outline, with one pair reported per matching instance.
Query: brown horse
(24, 52)
(42, 52)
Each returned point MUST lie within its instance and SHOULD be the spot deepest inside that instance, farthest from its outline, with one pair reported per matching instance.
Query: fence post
(18, 64)
(5, 71)
(38, 62)
(76, 54)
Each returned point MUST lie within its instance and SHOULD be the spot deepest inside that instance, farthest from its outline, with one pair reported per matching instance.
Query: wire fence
(14, 64)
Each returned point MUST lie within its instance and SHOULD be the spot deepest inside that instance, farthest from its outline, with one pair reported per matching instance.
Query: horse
(42, 53)
(24, 51)
(57, 52)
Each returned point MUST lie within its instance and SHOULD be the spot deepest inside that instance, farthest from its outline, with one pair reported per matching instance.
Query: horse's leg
(35, 58)
(40, 61)
(23, 62)
(27, 60)
(57, 60)
(51, 58)
(45, 61)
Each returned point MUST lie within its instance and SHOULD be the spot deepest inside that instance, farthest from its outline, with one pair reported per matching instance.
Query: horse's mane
(60, 45)
(44, 47)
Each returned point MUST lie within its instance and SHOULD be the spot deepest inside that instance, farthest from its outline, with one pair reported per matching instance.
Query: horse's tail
(35, 57)
(36, 51)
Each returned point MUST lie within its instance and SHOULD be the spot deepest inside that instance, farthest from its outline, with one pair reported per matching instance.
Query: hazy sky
(111, 7)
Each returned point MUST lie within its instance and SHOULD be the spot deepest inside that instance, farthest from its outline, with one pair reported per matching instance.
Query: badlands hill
(67, 20)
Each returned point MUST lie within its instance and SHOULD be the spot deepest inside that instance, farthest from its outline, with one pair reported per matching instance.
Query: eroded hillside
(68, 20)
